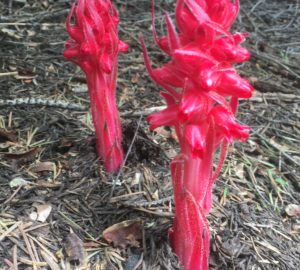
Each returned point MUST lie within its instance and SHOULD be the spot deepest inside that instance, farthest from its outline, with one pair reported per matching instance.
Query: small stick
(12, 73)
(126, 157)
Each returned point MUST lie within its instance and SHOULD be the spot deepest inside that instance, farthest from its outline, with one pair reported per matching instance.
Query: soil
(55, 197)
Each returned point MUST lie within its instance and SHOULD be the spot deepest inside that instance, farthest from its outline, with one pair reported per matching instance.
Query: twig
(29, 248)
(8, 231)
(125, 159)
(156, 213)
(277, 148)
(42, 102)
(138, 263)
(272, 59)
(147, 111)
(149, 204)
(12, 195)
(15, 257)
(13, 73)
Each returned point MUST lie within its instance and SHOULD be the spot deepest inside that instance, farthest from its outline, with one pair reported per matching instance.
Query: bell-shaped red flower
(166, 117)
(228, 49)
(231, 84)
(225, 121)
(195, 136)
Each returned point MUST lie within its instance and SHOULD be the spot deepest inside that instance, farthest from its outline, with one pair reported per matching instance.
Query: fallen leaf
(293, 210)
(74, 248)
(43, 211)
(123, 234)
(43, 166)
(24, 157)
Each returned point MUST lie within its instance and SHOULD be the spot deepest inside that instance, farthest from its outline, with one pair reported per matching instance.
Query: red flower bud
(195, 137)
(230, 83)
(226, 123)
(166, 117)
(227, 49)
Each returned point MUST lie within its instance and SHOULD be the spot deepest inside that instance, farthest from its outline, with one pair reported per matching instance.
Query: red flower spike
(94, 46)
(202, 90)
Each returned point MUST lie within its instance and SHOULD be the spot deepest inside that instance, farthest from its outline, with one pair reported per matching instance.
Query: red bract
(201, 89)
(94, 46)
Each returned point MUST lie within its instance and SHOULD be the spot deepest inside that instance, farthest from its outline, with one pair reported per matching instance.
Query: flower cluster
(201, 89)
(94, 46)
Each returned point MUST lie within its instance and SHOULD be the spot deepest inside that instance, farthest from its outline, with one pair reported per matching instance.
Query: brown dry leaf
(293, 210)
(8, 136)
(24, 157)
(43, 166)
(123, 234)
(42, 212)
(74, 248)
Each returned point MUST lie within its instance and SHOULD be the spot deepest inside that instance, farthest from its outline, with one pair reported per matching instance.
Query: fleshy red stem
(106, 119)
(190, 233)
(192, 181)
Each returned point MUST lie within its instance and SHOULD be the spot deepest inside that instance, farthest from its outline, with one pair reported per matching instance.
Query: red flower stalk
(94, 46)
(201, 89)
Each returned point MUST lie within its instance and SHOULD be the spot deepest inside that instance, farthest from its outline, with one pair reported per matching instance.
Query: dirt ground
(55, 198)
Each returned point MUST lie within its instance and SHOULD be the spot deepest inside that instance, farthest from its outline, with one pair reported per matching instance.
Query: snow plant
(94, 46)
(201, 90)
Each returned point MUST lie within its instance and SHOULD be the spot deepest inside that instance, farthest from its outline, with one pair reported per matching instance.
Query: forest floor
(55, 198)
